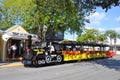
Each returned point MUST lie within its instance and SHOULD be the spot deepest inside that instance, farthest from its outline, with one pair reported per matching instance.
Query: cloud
(102, 29)
(117, 29)
(87, 27)
(118, 18)
(96, 18)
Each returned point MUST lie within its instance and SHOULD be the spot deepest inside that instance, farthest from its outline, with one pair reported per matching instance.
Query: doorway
(19, 50)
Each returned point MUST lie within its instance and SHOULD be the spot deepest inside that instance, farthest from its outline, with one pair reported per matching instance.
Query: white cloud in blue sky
(96, 18)
(118, 18)
(102, 21)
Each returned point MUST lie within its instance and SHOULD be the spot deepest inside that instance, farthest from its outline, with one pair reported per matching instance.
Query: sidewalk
(10, 64)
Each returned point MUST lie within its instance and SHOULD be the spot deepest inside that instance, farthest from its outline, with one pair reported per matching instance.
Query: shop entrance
(19, 50)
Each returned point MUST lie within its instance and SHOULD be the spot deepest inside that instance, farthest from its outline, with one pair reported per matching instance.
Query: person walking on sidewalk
(14, 49)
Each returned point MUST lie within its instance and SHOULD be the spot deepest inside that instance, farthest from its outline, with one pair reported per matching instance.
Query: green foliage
(111, 34)
(88, 36)
(15, 12)
(118, 36)
(102, 37)
(92, 35)
(59, 15)
(106, 4)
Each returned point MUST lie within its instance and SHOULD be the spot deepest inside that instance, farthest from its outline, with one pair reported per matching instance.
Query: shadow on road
(111, 63)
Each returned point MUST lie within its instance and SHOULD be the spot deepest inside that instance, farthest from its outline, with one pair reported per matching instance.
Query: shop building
(13, 35)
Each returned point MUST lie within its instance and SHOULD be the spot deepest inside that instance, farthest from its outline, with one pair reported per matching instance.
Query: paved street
(102, 69)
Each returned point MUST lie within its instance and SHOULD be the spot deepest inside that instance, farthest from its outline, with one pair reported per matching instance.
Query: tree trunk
(39, 32)
(115, 40)
(111, 44)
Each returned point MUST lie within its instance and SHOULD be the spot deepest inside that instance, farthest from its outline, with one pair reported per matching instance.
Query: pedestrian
(52, 49)
(9, 49)
(14, 49)
(28, 50)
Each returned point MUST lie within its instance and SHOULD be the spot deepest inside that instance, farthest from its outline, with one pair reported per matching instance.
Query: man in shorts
(14, 49)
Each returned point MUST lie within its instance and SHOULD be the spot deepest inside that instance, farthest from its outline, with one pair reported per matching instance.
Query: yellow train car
(71, 55)
(72, 50)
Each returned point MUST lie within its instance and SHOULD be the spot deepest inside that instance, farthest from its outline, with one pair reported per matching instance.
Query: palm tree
(115, 35)
(115, 39)
(112, 34)
(109, 34)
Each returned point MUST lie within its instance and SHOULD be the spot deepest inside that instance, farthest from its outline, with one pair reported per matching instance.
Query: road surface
(101, 69)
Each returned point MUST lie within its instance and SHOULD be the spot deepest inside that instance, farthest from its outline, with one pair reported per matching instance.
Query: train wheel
(40, 62)
(43, 61)
(48, 59)
(59, 58)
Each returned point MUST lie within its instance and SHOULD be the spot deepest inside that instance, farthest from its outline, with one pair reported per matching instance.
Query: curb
(11, 65)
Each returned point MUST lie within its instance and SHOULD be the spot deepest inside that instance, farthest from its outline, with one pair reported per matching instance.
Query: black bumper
(27, 62)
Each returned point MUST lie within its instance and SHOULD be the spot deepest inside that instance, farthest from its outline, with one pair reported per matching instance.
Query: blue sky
(102, 21)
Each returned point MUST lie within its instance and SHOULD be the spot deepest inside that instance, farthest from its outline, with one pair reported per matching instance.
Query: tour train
(38, 53)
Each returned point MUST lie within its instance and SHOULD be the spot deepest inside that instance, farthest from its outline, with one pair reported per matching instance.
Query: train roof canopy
(80, 43)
